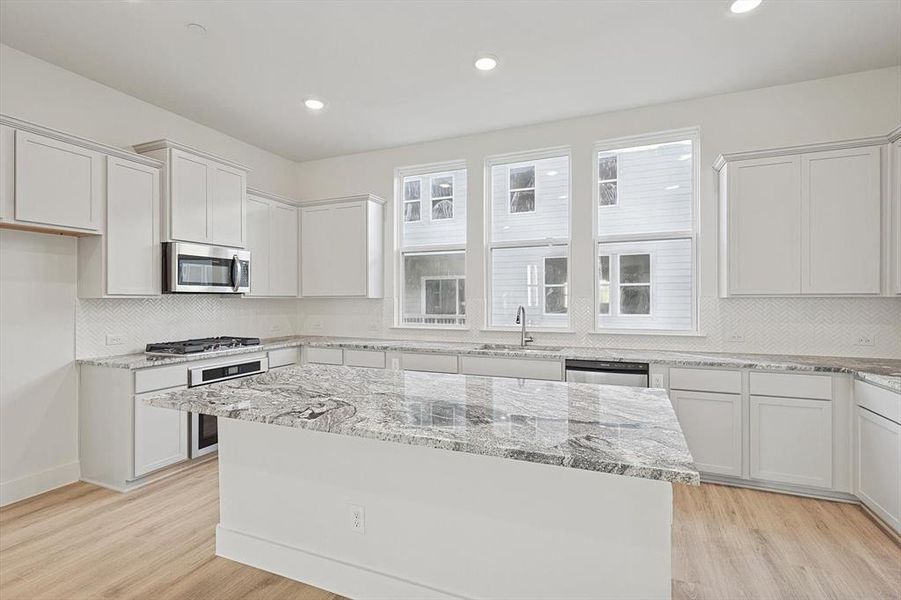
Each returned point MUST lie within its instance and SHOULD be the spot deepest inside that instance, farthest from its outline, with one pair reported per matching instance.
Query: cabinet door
(791, 441)
(841, 235)
(258, 242)
(764, 226)
(879, 465)
(283, 259)
(896, 213)
(132, 228)
(7, 172)
(189, 198)
(57, 183)
(161, 437)
(228, 201)
(349, 248)
(318, 259)
(711, 423)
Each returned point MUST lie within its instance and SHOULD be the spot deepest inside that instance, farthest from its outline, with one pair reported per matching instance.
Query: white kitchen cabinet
(895, 176)
(205, 196)
(879, 465)
(841, 238)
(57, 183)
(126, 260)
(711, 423)
(272, 232)
(7, 173)
(791, 441)
(802, 221)
(342, 248)
(160, 437)
(523, 368)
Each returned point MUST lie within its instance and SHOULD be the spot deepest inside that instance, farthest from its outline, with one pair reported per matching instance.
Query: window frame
(489, 246)
(619, 286)
(439, 198)
(661, 137)
(456, 279)
(609, 285)
(545, 285)
(425, 172)
(534, 189)
(599, 181)
(403, 192)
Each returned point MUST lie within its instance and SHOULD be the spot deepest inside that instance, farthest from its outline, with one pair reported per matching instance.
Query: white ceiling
(395, 73)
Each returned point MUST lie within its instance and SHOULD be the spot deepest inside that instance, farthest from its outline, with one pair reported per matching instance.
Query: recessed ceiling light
(743, 6)
(551, 173)
(196, 28)
(485, 62)
(314, 103)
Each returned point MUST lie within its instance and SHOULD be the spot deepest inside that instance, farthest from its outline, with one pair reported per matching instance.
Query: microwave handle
(236, 273)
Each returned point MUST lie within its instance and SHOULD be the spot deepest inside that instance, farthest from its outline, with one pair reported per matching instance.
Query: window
(431, 288)
(529, 223)
(645, 233)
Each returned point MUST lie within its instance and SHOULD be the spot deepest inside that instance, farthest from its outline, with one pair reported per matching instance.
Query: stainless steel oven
(198, 268)
(204, 428)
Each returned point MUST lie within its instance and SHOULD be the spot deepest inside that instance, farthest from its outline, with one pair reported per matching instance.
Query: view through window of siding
(645, 195)
(555, 285)
(522, 189)
(433, 290)
(544, 210)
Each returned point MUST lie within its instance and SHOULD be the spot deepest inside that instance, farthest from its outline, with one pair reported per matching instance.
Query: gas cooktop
(201, 345)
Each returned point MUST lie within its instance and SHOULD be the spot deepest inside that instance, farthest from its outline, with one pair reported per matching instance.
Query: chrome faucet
(524, 337)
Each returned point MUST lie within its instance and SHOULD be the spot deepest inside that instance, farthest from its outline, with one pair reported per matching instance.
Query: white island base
(438, 524)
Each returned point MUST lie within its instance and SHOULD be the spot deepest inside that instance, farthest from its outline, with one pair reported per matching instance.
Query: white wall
(856, 105)
(37, 284)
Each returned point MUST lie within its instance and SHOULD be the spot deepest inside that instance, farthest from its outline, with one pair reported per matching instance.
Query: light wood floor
(82, 541)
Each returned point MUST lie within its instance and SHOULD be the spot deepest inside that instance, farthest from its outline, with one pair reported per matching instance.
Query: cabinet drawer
(705, 380)
(512, 367)
(148, 380)
(791, 385)
(438, 363)
(325, 356)
(283, 356)
(880, 401)
(364, 358)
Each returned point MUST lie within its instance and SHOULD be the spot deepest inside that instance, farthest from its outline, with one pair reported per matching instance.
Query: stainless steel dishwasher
(607, 372)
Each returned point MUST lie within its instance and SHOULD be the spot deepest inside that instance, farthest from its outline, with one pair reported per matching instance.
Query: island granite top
(885, 372)
(609, 429)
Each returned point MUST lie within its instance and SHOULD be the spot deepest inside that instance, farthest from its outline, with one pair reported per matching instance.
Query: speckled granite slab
(879, 371)
(610, 429)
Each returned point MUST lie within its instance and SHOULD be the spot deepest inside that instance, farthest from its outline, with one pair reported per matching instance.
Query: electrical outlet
(865, 340)
(357, 519)
(114, 339)
(735, 337)
(657, 380)
(395, 364)
(276, 328)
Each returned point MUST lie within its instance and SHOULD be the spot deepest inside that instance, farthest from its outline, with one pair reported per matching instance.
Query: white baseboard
(339, 577)
(38, 483)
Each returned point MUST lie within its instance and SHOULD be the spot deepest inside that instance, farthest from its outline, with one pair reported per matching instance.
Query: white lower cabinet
(791, 441)
(711, 423)
(879, 465)
(161, 437)
(523, 368)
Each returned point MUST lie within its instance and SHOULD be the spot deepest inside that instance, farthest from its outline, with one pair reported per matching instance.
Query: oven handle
(236, 273)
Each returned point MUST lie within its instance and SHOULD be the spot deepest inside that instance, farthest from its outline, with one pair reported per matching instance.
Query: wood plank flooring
(82, 542)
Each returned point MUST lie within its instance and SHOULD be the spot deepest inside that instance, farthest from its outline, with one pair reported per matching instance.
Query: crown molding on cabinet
(357, 198)
(722, 159)
(61, 136)
(269, 196)
(167, 143)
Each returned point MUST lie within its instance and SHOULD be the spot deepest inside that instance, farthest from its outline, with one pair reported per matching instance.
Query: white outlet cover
(114, 339)
(357, 519)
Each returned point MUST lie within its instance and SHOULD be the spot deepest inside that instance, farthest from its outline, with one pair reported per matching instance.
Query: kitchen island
(487, 487)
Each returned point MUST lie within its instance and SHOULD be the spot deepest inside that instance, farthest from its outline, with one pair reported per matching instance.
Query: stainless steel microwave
(198, 268)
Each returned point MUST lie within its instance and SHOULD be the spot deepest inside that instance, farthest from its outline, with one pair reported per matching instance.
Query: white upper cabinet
(272, 241)
(341, 247)
(841, 234)
(57, 183)
(802, 221)
(895, 155)
(205, 196)
(7, 173)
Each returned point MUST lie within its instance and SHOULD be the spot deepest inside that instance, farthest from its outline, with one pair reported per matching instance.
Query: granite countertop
(610, 429)
(884, 372)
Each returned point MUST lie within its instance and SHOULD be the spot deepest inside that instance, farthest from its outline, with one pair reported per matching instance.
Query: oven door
(204, 435)
(195, 268)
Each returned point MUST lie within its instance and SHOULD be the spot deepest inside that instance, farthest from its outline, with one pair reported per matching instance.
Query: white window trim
(457, 279)
(489, 246)
(534, 189)
(398, 234)
(662, 137)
